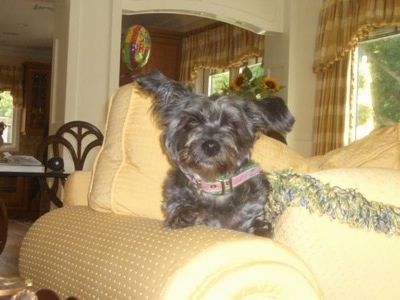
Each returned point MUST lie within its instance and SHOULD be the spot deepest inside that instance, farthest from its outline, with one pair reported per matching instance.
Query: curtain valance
(218, 46)
(343, 23)
(11, 78)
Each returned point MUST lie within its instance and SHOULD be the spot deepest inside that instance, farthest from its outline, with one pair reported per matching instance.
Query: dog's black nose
(211, 147)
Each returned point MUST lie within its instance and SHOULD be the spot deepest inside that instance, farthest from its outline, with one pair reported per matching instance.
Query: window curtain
(218, 46)
(342, 24)
(11, 78)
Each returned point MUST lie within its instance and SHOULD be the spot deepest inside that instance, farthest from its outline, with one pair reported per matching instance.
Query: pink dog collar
(221, 186)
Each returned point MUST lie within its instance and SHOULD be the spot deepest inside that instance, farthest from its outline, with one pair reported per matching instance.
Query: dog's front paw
(262, 228)
(183, 216)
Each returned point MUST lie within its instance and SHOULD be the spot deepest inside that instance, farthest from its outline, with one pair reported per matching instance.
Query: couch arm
(77, 188)
(349, 261)
(94, 255)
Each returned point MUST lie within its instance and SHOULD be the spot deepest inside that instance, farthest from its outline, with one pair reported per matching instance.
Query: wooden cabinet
(35, 113)
(18, 195)
(165, 56)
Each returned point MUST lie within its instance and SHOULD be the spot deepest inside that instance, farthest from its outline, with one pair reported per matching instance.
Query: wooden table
(47, 194)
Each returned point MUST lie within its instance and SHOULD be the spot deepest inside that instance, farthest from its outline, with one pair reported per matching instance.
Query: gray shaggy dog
(208, 140)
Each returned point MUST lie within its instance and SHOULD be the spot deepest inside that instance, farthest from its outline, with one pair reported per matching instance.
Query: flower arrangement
(244, 85)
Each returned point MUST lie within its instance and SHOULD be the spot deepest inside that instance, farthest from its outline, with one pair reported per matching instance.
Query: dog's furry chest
(238, 209)
(216, 201)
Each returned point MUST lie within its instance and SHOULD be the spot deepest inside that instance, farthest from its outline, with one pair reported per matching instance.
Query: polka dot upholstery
(350, 263)
(77, 251)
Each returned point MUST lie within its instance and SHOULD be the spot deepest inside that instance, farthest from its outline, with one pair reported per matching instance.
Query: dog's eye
(233, 125)
(191, 123)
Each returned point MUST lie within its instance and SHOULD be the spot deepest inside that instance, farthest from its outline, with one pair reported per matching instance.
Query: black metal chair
(75, 141)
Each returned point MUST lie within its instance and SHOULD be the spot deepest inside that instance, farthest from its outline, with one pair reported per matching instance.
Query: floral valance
(11, 78)
(343, 23)
(218, 46)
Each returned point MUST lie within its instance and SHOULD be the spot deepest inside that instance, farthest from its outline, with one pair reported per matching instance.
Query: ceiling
(28, 24)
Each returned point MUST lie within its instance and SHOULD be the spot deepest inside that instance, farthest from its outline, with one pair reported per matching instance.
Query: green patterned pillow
(348, 206)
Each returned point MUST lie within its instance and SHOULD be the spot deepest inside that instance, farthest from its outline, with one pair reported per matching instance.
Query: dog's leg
(181, 215)
(181, 205)
(262, 228)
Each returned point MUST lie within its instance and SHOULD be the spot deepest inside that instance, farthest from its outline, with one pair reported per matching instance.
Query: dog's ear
(270, 113)
(167, 93)
(161, 86)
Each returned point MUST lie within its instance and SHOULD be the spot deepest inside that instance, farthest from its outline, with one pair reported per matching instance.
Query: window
(213, 81)
(377, 83)
(218, 80)
(10, 117)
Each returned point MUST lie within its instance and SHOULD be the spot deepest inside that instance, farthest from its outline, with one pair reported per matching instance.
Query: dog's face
(209, 137)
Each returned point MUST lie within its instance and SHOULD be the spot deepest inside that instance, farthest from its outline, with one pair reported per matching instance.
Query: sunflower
(270, 84)
(239, 81)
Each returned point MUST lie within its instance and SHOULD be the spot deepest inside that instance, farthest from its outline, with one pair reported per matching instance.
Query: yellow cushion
(76, 188)
(274, 155)
(380, 149)
(130, 167)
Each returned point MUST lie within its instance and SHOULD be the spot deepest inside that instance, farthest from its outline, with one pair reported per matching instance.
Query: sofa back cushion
(379, 149)
(130, 167)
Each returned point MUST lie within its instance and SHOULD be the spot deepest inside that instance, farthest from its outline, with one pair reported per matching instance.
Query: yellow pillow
(274, 155)
(381, 149)
(130, 167)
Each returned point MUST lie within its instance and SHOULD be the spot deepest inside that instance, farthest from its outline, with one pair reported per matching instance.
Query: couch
(108, 241)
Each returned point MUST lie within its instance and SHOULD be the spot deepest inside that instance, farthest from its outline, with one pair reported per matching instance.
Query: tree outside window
(7, 115)
(378, 84)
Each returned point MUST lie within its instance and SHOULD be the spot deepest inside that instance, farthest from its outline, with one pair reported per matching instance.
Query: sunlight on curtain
(218, 46)
(331, 85)
(342, 24)
(11, 78)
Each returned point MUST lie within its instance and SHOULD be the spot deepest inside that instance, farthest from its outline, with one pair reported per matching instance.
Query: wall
(85, 60)
(289, 56)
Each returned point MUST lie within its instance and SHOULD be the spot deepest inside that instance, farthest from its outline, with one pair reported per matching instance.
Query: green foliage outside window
(384, 61)
(256, 70)
(219, 81)
(363, 113)
(6, 104)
